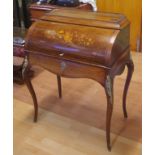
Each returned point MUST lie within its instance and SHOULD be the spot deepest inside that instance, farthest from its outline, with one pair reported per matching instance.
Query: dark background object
(16, 14)
(42, 1)
(26, 14)
(21, 13)
(69, 3)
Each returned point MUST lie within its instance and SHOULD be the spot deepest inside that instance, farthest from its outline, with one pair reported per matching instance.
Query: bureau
(76, 44)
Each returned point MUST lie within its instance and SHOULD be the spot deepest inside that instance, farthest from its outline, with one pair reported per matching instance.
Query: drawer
(67, 68)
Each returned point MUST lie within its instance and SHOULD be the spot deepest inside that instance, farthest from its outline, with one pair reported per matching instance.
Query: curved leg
(109, 94)
(130, 67)
(27, 81)
(59, 86)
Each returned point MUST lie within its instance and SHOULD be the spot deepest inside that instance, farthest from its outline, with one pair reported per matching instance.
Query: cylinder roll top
(99, 38)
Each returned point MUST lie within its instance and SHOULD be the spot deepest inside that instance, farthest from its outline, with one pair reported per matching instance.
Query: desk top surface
(96, 19)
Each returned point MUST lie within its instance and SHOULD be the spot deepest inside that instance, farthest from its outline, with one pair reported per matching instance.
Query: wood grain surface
(58, 135)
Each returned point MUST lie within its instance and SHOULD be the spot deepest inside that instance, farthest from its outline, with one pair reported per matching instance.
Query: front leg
(26, 78)
(130, 67)
(59, 86)
(109, 93)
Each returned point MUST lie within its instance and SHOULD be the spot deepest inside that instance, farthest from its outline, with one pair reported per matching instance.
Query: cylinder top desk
(79, 44)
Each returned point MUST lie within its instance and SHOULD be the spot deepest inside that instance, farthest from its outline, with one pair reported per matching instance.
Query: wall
(133, 10)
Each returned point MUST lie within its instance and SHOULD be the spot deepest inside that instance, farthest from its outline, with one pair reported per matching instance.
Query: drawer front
(68, 68)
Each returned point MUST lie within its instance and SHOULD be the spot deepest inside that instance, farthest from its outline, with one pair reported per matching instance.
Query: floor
(58, 135)
(75, 124)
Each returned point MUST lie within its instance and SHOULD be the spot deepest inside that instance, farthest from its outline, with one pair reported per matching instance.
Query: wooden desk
(74, 44)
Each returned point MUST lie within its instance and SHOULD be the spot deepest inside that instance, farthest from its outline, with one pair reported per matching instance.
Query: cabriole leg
(59, 86)
(109, 93)
(130, 67)
(27, 81)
